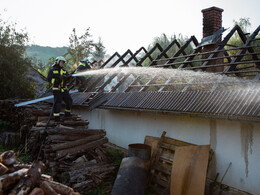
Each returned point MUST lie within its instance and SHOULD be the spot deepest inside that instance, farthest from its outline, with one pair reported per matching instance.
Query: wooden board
(163, 149)
(153, 142)
(189, 170)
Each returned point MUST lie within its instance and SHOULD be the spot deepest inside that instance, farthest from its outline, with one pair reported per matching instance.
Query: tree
(164, 42)
(243, 23)
(99, 52)
(83, 46)
(13, 64)
(236, 41)
(79, 47)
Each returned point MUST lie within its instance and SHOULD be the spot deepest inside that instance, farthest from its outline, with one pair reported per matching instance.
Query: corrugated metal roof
(224, 103)
(80, 97)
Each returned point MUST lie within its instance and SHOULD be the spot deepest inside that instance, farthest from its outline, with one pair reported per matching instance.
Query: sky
(120, 24)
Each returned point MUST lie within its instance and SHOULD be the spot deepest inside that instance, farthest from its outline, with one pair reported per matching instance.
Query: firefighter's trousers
(58, 98)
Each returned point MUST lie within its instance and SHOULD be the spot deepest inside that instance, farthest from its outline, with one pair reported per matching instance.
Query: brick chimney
(212, 22)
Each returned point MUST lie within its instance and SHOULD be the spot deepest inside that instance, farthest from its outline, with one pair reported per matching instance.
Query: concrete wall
(233, 141)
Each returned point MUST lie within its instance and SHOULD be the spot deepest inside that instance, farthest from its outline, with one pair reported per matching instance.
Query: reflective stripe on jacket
(83, 66)
(55, 77)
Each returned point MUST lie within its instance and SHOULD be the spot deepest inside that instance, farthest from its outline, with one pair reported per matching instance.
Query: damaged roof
(181, 83)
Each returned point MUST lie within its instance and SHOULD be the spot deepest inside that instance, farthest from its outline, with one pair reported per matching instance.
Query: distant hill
(42, 54)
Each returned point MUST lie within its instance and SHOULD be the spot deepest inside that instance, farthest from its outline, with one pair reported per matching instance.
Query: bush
(13, 64)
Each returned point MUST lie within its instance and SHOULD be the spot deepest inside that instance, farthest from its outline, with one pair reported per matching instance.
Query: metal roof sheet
(222, 103)
(80, 97)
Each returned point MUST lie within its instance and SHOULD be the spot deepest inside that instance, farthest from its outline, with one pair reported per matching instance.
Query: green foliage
(83, 46)
(115, 154)
(80, 46)
(243, 23)
(236, 41)
(99, 52)
(40, 55)
(13, 64)
(164, 42)
(24, 157)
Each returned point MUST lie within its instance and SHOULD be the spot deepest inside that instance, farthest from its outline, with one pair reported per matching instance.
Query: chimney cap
(212, 8)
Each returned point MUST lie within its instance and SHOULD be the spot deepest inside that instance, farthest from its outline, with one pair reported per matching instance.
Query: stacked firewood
(72, 153)
(70, 149)
(17, 178)
(22, 117)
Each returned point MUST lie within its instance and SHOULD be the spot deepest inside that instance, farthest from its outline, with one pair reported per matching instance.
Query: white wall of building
(232, 141)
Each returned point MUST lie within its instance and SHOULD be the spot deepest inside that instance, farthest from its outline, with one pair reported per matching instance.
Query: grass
(115, 154)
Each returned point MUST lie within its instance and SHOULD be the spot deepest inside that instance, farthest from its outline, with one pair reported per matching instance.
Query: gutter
(210, 116)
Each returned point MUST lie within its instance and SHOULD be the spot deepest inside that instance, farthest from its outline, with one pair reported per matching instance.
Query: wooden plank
(160, 181)
(175, 142)
(152, 141)
(168, 146)
(164, 168)
(189, 170)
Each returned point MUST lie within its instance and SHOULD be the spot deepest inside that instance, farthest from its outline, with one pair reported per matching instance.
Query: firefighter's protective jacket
(56, 77)
(83, 66)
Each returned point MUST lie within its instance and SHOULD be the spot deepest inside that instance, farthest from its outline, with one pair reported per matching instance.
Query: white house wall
(232, 141)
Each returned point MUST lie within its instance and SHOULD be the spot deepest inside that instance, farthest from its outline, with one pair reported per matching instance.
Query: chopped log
(43, 124)
(46, 118)
(75, 123)
(45, 177)
(65, 145)
(37, 128)
(6, 181)
(82, 165)
(37, 191)
(55, 138)
(47, 188)
(83, 131)
(101, 155)
(3, 169)
(40, 112)
(60, 126)
(33, 118)
(85, 185)
(21, 166)
(8, 157)
(32, 178)
(60, 188)
(11, 169)
(80, 149)
(70, 123)
(98, 170)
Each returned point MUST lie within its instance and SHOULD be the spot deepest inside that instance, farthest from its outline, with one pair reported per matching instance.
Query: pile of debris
(17, 178)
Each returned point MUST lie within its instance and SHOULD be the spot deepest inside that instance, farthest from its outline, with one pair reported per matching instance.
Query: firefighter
(84, 65)
(57, 76)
